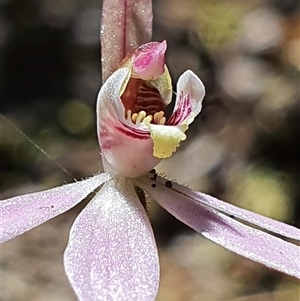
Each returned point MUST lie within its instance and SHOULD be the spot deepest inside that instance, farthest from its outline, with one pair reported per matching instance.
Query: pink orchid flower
(133, 133)
(111, 253)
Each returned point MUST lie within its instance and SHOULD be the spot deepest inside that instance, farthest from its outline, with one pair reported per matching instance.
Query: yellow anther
(158, 118)
(148, 118)
(141, 116)
(162, 121)
(134, 117)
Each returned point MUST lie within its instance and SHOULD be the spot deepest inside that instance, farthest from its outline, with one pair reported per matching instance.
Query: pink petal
(22, 213)
(190, 93)
(125, 25)
(243, 214)
(149, 60)
(112, 253)
(122, 146)
(224, 230)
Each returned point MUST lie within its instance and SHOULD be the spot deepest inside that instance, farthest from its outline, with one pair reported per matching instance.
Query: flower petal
(243, 214)
(22, 213)
(121, 146)
(149, 60)
(190, 93)
(224, 230)
(147, 71)
(166, 138)
(112, 253)
(125, 25)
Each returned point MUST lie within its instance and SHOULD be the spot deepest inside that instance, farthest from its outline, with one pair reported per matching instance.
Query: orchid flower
(111, 253)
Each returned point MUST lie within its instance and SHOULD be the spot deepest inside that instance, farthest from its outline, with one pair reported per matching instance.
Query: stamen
(163, 121)
(159, 118)
(134, 117)
(148, 118)
(141, 116)
(138, 118)
(128, 115)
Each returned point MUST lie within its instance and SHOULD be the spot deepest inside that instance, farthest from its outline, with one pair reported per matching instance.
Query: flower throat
(141, 100)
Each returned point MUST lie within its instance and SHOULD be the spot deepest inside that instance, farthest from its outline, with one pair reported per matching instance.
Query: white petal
(112, 253)
(190, 87)
(128, 151)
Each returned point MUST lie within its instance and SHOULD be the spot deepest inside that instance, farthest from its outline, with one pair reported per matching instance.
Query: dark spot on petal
(169, 184)
(153, 171)
(50, 207)
(153, 178)
(232, 216)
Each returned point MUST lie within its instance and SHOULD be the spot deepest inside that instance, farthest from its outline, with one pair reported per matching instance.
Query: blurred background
(244, 147)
